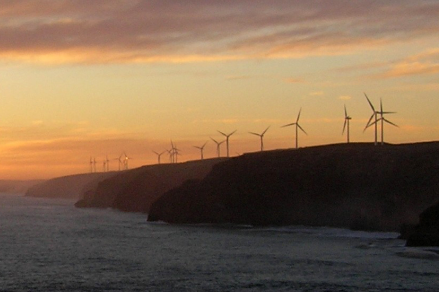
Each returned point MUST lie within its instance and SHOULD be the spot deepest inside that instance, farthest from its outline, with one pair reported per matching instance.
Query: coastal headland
(357, 185)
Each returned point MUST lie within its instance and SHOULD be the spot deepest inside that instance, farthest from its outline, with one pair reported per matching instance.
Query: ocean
(49, 245)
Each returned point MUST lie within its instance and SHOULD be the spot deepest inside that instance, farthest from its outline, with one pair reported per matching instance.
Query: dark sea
(49, 245)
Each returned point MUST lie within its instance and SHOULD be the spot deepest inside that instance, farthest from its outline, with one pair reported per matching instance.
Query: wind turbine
(94, 164)
(373, 116)
(297, 128)
(174, 152)
(107, 162)
(383, 119)
(91, 164)
(159, 155)
(201, 150)
(346, 123)
(218, 144)
(125, 161)
(261, 136)
(227, 139)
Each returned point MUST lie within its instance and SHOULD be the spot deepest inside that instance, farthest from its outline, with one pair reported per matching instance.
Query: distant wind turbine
(261, 136)
(381, 112)
(91, 164)
(346, 123)
(218, 144)
(373, 116)
(125, 161)
(201, 150)
(159, 155)
(297, 128)
(107, 163)
(94, 164)
(227, 139)
(174, 152)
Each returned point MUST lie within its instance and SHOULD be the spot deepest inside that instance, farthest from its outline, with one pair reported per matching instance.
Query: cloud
(426, 63)
(345, 97)
(316, 93)
(117, 31)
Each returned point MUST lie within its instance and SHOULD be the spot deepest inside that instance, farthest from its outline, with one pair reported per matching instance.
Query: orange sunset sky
(83, 79)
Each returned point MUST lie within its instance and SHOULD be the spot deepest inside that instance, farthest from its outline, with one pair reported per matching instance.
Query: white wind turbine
(297, 128)
(381, 112)
(346, 123)
(227, 139)
(201, 150)
(159, 155)
(218, 144)
(373, 116)
(261, 136)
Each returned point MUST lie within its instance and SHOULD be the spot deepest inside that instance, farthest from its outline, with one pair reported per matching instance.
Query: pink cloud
(52, 31)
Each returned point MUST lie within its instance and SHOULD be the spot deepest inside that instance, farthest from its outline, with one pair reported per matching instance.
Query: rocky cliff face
(358, 186)
(135, 190)
(426, 233)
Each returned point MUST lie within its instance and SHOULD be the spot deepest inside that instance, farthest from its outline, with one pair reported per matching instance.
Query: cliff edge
(135, 190)
(356, 185)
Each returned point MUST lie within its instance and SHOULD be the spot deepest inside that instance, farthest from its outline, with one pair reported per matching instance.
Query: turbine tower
(227, 139)
(159, 155)
(218, 144)
(297, 128)
(373, 116)
(346, 123)
(261, 136)
(381, 112)
(201, 150)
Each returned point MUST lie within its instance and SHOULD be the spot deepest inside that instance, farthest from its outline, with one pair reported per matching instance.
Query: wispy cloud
(116, 31)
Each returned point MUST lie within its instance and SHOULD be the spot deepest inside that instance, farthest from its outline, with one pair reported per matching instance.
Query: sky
(83, 79)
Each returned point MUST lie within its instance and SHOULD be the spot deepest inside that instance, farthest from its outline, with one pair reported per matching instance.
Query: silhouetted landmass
(426, 233)
(357, 186)
(68, 187)
(17, 186)
(135, 190)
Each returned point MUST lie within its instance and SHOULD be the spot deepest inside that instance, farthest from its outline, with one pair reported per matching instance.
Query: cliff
(135, 190)
(67, 187)
(426, 233)
(357, 186)
(17, 186)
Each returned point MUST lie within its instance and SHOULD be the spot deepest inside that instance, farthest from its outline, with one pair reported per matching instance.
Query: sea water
(49, 245)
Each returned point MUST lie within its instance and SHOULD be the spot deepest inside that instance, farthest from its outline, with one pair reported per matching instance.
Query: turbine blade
(302, 129)
(385, 113)
(369, 102)
(231, 133)
(389, 122)
(256, 134)
(345, 112)
(222, 133)
(265, 130)
(298, 116)
(292, 124)
(370, 119)
(344, 126)
(381, 105)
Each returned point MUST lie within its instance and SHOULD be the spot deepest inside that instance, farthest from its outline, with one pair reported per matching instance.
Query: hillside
(135, 190)
(17, 186)
(67, 187)
(357, 185)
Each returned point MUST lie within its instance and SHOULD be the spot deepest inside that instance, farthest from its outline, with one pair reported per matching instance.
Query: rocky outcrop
(357, 186)
(135, 190)
(68, 187)
(426, 233)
